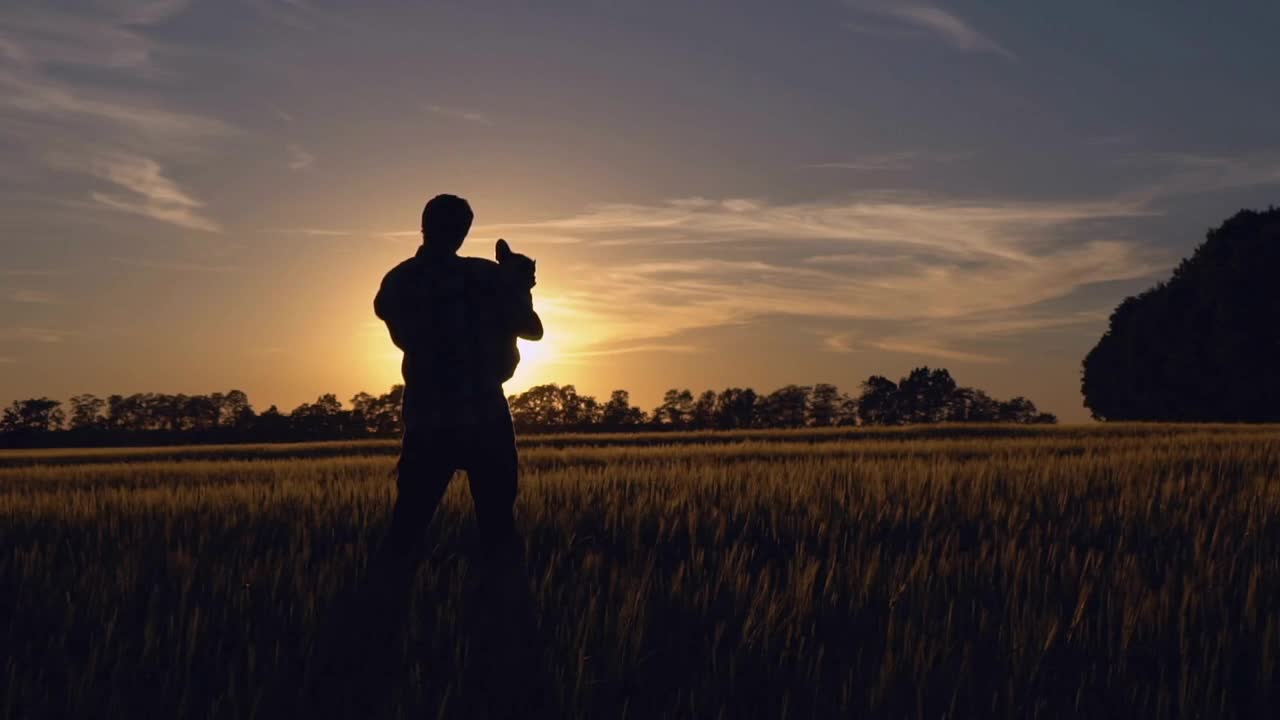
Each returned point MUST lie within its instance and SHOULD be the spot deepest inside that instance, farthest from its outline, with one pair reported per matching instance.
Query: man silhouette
(452, 316)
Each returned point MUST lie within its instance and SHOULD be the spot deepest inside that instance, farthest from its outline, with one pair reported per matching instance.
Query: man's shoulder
(482, 273)
(402, 269)
(478, 265)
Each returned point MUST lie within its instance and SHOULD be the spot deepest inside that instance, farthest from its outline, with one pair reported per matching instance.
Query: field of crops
(963, 572)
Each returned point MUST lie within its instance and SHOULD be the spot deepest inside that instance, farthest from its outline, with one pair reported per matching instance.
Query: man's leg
(492, 469)
(422, 476)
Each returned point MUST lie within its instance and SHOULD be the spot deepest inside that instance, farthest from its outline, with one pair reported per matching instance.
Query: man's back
(444, 313)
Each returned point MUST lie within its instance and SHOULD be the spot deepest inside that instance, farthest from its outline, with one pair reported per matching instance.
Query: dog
(519, 276)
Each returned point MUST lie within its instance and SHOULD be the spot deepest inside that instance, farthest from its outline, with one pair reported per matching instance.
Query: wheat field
(1085, 571)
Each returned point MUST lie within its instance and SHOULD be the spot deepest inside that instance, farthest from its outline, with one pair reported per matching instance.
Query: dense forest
(924, 396)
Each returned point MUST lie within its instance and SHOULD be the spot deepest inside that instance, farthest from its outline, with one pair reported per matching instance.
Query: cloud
(959, 229)
(840, 342)
(930, 20)
(146, 12)
(902, 272)
(149, 192)
(471, 116)
(903, 160)
(295, 14)
(30, 334)
(316, 232)
(32, 95)
(176, 265)
(1183, 173)
(925, 349)
(29, 273)
(73, 90)
(653, 347)
(299, 158)
(34, 297)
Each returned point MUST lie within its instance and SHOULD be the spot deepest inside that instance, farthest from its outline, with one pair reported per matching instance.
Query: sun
(536, 362)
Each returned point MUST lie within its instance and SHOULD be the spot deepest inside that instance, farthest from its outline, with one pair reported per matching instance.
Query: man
(449, 315)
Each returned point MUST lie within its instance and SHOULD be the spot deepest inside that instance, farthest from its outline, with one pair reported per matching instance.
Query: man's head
(445, 222)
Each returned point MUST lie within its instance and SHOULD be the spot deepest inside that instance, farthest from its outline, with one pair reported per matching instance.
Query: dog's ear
(504, 250)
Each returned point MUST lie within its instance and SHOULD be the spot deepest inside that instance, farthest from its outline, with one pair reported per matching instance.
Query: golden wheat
(921, 572)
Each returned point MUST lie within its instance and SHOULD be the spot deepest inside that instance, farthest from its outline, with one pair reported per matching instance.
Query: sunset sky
(203, 196)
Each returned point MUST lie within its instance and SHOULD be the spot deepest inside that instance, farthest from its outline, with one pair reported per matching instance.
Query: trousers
(428, 459)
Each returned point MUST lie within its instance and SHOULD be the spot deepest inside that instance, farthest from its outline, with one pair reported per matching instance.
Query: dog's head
(520, 267)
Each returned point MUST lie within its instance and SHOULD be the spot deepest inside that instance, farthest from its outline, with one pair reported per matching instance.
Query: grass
(920, 572)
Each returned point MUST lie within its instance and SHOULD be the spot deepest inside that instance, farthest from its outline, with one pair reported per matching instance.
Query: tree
(923, 394)
(88, 412)
(735, 408)
(271, 423)
(703, 415)
(824, 405)
(847, 410)
(576, 411)
(1203, 346)
(969, 405)
(234, 410)
(323, 418)
(202, 412)
(878, 403)
(786, 407)
(1022, 410)
(379, 415)
(32, 416)
(536, 408)
(676, 410)
(361, 407)
(618, 412)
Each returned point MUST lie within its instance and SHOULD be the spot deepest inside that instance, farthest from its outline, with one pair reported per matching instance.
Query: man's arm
(388, 305)
(525, 319)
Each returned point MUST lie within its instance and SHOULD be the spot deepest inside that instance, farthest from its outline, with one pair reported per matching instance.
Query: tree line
(924, 396)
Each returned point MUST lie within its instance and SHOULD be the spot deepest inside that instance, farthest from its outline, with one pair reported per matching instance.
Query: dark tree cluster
(1203, 346)
(924, 396)
(157, 418)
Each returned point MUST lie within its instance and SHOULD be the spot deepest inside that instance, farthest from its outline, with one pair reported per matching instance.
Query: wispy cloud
(169, 265)
(144, 12)
(651, 347)
(31, 334)
(463, 114)
(1182, 173)
(950, 272)
(299, 158)
(925, 349)
(839, 342)
(109, 130)
(34, 95)
(149, 192)
(929, 20)
(29, 273)
(295, 14)
(314, 232)
(34, 297)
(903, 160)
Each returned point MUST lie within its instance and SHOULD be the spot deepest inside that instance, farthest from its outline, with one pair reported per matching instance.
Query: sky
(199, 196)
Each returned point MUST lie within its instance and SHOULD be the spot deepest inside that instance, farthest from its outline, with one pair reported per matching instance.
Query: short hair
(446, 220)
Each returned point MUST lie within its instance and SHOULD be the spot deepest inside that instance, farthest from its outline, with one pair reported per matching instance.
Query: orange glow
(536, 365)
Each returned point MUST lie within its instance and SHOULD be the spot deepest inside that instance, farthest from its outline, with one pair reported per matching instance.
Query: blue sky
(200, 195)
